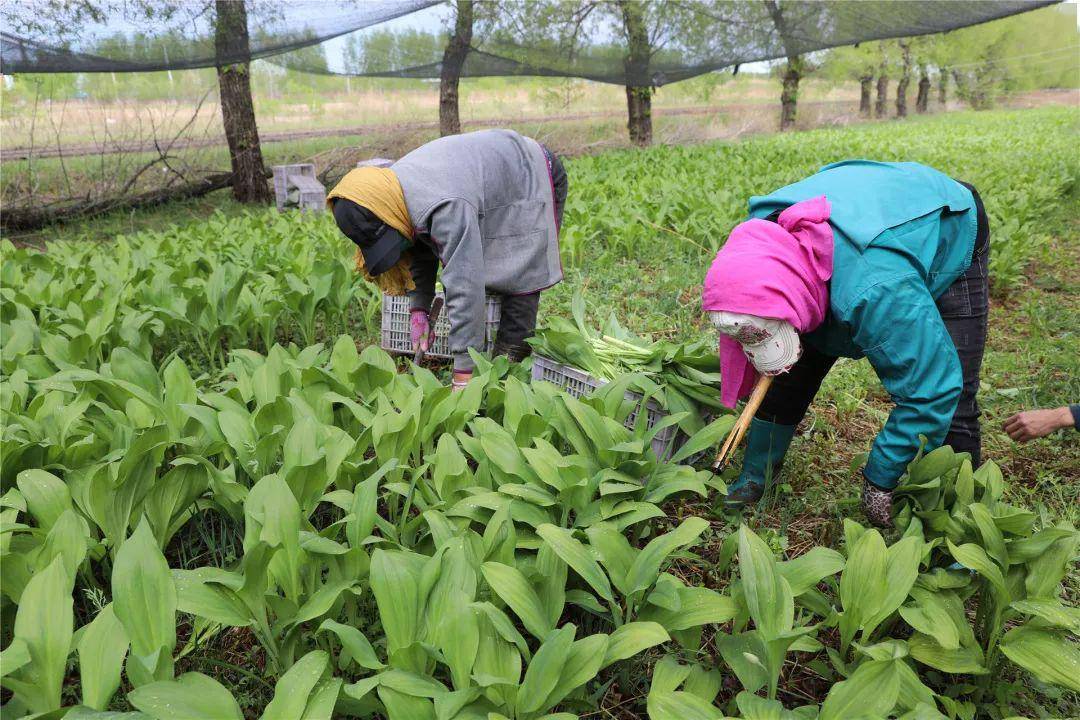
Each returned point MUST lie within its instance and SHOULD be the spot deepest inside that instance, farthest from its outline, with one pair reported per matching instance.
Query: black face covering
(381, 244)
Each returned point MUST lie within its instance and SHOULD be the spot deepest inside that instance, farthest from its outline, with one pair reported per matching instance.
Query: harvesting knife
(433, 317)
(737, 432)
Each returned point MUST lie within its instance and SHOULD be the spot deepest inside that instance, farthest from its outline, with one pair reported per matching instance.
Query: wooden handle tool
(737, 432)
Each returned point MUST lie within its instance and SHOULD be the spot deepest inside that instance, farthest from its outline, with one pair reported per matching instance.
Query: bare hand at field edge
(1031, 424)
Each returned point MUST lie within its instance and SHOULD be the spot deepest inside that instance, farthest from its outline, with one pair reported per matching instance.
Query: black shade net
(672, 40)
(57, 36)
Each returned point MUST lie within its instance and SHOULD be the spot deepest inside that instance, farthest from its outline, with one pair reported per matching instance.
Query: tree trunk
(905, 79)
(866, 83)
(943, 88)
(639, 115)
(789, 96)
(882, 95)
(793, 71)
(237, 109)
(901, 95)
(638, 92)
(922, 100)
(457, 49)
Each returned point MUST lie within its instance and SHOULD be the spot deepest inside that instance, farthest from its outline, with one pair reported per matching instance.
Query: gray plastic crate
(297, 186)
(395, 327)
(579, 383)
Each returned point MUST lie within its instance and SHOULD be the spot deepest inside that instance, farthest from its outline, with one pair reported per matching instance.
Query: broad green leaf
(992, 539)
(292, 690)
(192, 695)
(1052, 611)
(616, 553)
(574, 554)
(975, 558)
(585, 659)
(67, 538)
(209, 600)
(323, 700)
(806, 571)
(410, 683)
(871, 691)
(400, 706)
(321, 601)
(929, 615)
(862, 583)
(705, 438)
(1046, 571)
(396, 593)
(43, 624)
(668, 675)
(747, 656)
(696, 606)
(768, 595)
(546, 668)
(680, 706)
(1048, 655)
(144, 600)
(102, 648)
(13, 657)
(646, 566)
(753, 707)
(510, 585)
(354, 645)
(901, 570)
(631, 639)
(967, 660)
(46, 496)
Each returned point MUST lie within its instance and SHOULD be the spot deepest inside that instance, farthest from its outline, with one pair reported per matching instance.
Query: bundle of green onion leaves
(679, 376)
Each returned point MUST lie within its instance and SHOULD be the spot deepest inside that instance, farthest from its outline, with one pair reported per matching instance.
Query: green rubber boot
(766, 445)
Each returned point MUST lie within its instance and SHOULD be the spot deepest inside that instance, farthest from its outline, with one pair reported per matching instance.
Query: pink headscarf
(773, 270)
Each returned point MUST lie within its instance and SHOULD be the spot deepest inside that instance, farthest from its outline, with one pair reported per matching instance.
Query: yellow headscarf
(379, 191)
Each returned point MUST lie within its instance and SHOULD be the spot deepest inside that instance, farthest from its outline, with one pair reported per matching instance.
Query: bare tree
(237, 109)
(922, 100)
(457, 49)
(866, 87)
(905, 78)
(882, 83)
(794, 69)
(638, 97)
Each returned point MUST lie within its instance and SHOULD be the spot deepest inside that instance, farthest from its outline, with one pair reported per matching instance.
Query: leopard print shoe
(877, 504)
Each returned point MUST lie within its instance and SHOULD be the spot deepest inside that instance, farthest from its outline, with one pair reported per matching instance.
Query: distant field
(366, 103)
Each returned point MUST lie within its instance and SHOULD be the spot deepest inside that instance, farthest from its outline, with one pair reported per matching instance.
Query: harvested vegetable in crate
(682, 377)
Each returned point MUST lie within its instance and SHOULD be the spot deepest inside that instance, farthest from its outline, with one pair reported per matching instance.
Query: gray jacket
(484, 199)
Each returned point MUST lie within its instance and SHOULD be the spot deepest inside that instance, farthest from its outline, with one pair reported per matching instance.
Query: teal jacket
(903, 232)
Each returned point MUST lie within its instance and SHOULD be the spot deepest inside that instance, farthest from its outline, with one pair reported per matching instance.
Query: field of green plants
(221, 500)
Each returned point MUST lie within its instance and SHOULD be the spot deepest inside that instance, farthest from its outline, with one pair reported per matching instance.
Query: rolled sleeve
(909, 348)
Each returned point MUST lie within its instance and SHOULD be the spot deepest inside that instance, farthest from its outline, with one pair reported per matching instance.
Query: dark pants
(517, 320)
(964, 308)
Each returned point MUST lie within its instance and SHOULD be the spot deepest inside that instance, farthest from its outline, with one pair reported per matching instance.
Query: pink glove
(420, 330)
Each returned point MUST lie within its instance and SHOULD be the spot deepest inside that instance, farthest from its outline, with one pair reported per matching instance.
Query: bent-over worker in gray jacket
(487, 206)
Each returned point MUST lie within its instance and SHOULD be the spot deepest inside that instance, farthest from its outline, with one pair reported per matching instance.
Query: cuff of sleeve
(880, 474)
(463, 362)
(1075, 410)
(420, 301)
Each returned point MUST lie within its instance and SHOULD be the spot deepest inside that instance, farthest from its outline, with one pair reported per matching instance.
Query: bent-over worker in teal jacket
(882, 260)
